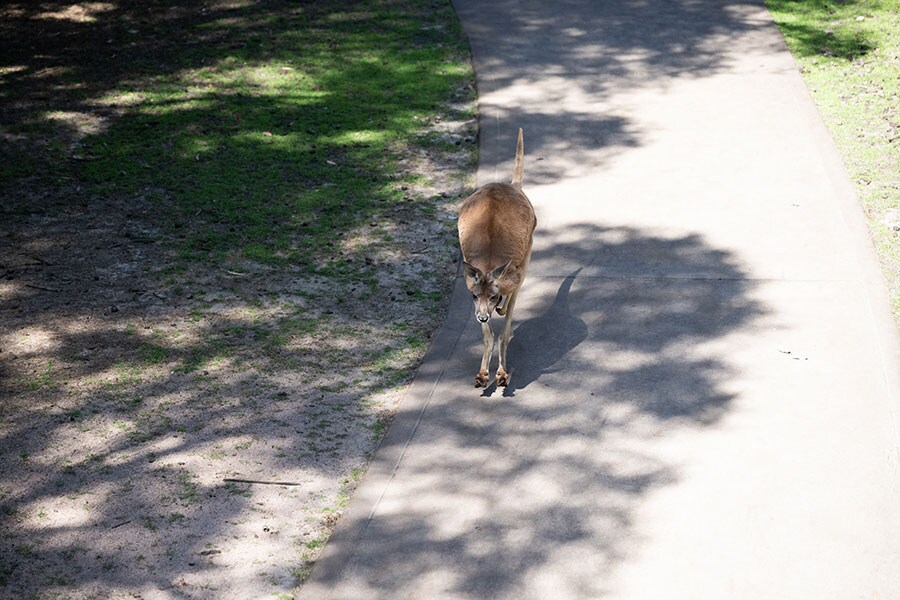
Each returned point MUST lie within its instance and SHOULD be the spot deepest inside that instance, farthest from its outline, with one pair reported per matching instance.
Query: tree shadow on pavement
(536, 492)
(621, 336)
(555, 332)
(570, 74)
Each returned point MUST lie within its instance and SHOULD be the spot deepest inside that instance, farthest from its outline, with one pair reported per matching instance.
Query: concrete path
(704, 402)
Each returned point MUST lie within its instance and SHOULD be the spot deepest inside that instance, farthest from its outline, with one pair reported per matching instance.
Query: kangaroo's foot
(503, 378)
(481, 379)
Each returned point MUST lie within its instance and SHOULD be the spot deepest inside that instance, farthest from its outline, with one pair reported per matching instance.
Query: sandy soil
(197, 434)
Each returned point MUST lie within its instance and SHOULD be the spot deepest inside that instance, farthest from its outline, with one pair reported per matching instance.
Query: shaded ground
(207, 316)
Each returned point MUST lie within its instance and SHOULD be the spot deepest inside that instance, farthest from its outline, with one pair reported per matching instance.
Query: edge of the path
(339, 549)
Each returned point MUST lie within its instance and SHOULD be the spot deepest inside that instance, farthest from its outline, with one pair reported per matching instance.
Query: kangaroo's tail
(520, 155)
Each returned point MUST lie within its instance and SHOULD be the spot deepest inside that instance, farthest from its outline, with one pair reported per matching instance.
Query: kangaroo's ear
(501, 270)
(472, 272)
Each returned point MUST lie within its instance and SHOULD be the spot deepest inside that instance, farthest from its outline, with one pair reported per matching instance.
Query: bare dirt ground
(126, 474)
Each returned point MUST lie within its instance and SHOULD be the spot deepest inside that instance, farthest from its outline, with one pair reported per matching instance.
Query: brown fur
(496, 225)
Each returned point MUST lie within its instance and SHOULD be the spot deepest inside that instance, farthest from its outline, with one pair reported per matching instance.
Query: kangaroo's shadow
(539, 343)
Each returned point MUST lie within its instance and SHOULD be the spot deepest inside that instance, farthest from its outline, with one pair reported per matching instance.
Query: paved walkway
(705, 393)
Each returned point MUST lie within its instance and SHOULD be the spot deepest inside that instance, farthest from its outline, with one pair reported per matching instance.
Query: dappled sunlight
(31, 340)
(53, 73)
(361, 136)
(82, 124)
(9, 289)
(273, 140)
(118, 99)
(575, 98)
(59, 514)
(231, 4)
(10, 69)
(608, 373)
(82, 12)
(143, 441)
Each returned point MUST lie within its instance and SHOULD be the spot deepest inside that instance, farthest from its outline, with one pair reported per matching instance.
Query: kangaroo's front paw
(481, 379)
(503, 378)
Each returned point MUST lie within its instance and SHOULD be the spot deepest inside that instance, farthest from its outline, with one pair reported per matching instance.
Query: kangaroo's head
(485, 289)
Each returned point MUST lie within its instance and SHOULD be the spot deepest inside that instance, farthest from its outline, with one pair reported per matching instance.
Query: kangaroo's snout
(482, 310)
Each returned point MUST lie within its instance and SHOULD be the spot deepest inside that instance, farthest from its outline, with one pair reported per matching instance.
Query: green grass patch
(44, 379)
(257, 130)
(849, 53)
(188, 487)
(153, 354)
(126, 374)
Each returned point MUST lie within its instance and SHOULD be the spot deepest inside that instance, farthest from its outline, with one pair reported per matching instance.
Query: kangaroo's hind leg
(503, 375)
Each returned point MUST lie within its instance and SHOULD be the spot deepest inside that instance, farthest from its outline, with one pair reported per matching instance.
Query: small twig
(37, 258)
(45, 289)
(120, 524)
(234, 480)
(235, 273)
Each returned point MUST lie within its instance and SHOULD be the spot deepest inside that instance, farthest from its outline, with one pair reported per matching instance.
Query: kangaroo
(496, 225)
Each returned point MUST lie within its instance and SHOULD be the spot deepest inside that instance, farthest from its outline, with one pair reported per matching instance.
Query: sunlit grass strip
(849, 53)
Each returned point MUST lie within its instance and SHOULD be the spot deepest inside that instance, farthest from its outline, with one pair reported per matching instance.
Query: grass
(45, 379)
(188, 488)
(261, 122)
(849, 53)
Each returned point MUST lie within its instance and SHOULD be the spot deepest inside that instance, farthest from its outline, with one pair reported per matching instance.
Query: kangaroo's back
(496, 222)
(495, 226)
